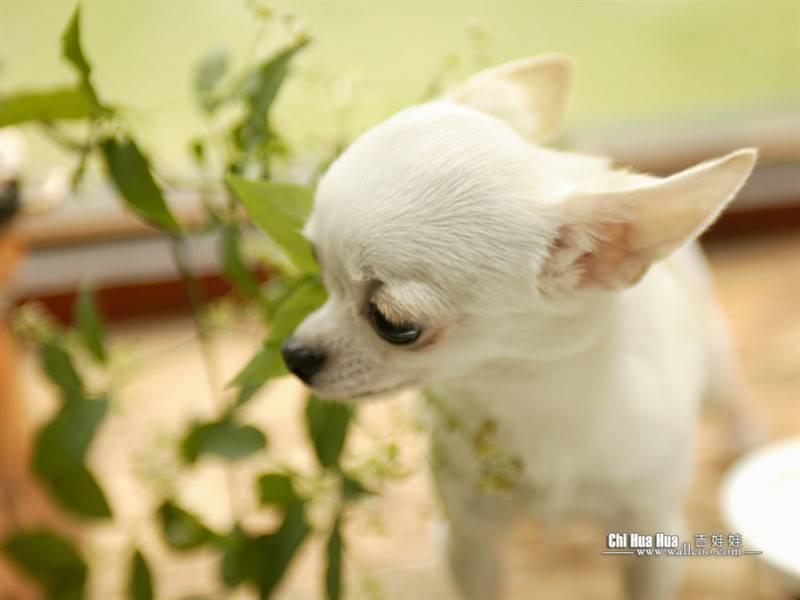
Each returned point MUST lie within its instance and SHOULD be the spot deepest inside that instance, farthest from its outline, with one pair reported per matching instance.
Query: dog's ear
(530, 94)
(608, 239)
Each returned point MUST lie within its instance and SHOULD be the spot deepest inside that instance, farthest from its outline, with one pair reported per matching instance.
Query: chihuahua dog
(547, 295)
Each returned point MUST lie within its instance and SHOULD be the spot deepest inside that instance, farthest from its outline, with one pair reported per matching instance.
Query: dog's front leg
(473, 554)
(477, 522)
(655, 577)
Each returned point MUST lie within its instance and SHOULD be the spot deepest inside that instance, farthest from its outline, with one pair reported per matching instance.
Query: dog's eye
(400, 334)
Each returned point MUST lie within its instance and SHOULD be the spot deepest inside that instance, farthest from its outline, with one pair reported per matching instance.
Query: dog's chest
(510, 452)
(560, 445)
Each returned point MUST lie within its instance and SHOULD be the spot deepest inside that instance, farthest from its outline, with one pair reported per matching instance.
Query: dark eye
(400, 334)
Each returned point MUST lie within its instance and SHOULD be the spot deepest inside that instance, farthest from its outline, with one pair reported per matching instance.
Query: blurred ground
(391, 552)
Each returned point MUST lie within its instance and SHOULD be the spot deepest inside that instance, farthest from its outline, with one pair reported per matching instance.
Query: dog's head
(444, 229)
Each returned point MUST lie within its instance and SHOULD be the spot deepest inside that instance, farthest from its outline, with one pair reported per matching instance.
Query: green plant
(236, 160)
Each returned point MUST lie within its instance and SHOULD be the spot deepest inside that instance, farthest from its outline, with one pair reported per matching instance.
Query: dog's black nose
(304, 361)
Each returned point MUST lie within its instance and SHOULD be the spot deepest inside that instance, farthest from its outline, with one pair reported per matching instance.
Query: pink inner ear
(600, 255)
(612, 263)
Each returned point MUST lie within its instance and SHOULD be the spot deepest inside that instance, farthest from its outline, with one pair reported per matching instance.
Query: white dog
(555, 307)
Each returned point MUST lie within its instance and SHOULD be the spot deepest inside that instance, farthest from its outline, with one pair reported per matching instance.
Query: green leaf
(233, 267)
(57, 364)
(197, 148)
(72, 50)
(130, 171)
(183, 530)
(277, 489)
(51, 560)
(66, 438)
(77, 490)
(140, 586)
(263, 560)
(50, 105)
(279, 209)
(71, 44)
(206, 77)
(266, 364)
(90, 325)
(304, 300)
(234, 565)
(224, 438)
(277, 289)
(271, 554)
(259, 90)
(327, 423)
(287, 199)
(246, 393)
(352, 489)
(333, 573)
(59, 452)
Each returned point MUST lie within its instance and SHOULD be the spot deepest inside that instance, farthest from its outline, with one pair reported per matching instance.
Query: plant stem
(197, 301)
(62, 139)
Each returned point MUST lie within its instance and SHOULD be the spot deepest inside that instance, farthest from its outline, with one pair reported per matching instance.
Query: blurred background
(698, 77)
(639, 63)
(660, 85)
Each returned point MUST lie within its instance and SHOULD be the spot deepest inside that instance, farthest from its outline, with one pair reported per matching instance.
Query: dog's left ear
(608, 239)
(530, 94)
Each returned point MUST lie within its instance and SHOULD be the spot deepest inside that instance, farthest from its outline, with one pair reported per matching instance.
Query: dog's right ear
(530, 94)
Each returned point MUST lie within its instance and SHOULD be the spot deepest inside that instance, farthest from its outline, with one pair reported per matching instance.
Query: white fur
(565, 313)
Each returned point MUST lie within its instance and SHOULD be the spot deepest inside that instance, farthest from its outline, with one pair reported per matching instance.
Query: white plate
(760, 499)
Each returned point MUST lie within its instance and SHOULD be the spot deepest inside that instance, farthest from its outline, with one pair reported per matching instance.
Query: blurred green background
(640, 61)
